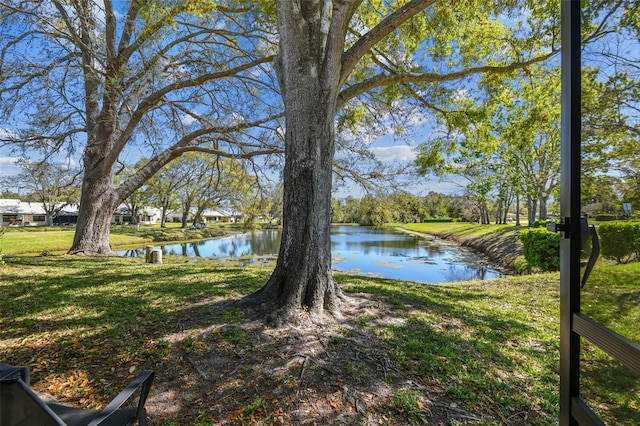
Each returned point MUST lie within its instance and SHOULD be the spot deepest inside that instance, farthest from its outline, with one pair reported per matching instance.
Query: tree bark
(163, 214)
(303, 277)
(97, 204)
(185, 217)
(309, 81)
(531, 206)
(543, 207)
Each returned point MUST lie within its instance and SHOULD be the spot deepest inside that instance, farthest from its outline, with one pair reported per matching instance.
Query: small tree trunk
(163, 214)
(531, 206)
(185, 218)
(543, 207)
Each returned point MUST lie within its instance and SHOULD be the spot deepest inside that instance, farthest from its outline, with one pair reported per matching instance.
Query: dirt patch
(243, 372)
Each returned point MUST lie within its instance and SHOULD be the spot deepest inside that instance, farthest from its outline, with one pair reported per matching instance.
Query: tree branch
(352, 56)
(381, 80)
(153, 99)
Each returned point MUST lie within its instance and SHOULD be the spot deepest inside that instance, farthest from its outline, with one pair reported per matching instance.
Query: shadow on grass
(482, 351)
(64, 314)
(492, 351)
(84, 326)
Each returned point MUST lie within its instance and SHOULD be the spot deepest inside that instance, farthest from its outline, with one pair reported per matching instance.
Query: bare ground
(303, 374)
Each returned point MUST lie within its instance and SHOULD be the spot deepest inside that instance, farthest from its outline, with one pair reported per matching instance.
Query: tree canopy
(110, 79)
(316, 81)
(504, 134)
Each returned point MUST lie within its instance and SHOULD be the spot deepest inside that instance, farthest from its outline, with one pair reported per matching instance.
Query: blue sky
(385, 149)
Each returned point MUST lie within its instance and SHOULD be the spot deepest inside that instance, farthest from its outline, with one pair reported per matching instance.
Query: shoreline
(502, 250)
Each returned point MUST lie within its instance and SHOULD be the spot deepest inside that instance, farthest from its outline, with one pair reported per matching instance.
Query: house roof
(12, 206)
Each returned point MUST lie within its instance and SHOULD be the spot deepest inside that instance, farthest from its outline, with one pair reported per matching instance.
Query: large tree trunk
(97, 204)
(302, 276)
(98, 199)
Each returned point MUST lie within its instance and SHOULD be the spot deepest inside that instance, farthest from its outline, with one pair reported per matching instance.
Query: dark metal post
(570, 210)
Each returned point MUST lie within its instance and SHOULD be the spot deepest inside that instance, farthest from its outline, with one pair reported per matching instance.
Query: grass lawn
(58, 240)
(460, 229)
(84, 325)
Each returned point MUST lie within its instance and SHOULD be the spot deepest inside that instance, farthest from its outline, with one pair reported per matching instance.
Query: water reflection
(131, 253)
(355, 249)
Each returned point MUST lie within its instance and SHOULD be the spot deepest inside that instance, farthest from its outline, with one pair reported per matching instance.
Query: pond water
(356, 249)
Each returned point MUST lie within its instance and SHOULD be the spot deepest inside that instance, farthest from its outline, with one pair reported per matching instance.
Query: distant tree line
(401, 207)
(191, 184)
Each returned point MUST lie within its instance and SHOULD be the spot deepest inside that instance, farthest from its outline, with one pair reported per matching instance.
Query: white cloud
(69, 162)
(416, 120)
(237, 118)
(187, 119)
(461, 95)
(7, 134)
(394, 153)
(8, 166)
(8, 160)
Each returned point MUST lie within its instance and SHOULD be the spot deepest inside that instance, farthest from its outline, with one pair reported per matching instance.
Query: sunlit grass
(36, 242)
(492, 345)
(495, 344)
(57, 240)
(459, 228)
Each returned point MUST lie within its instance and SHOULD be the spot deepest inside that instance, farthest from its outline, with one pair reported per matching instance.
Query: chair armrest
(9, 371)
(144, 379)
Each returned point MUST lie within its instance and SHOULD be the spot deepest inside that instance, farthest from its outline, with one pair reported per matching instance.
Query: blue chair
(21, 406)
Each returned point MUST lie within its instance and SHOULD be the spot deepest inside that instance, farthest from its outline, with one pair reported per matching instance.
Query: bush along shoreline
(525, 250)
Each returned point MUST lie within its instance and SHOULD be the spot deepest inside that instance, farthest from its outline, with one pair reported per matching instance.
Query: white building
(208, 216)
(146, 215)
(14, 212)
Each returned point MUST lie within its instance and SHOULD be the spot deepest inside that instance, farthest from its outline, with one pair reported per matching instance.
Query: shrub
(541, 248)
(620, 241)
(606, 217)
(520, 266)
(541, 223)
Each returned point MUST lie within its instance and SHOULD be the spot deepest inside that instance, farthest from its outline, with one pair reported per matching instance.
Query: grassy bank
(501, 243)
(84, 325)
